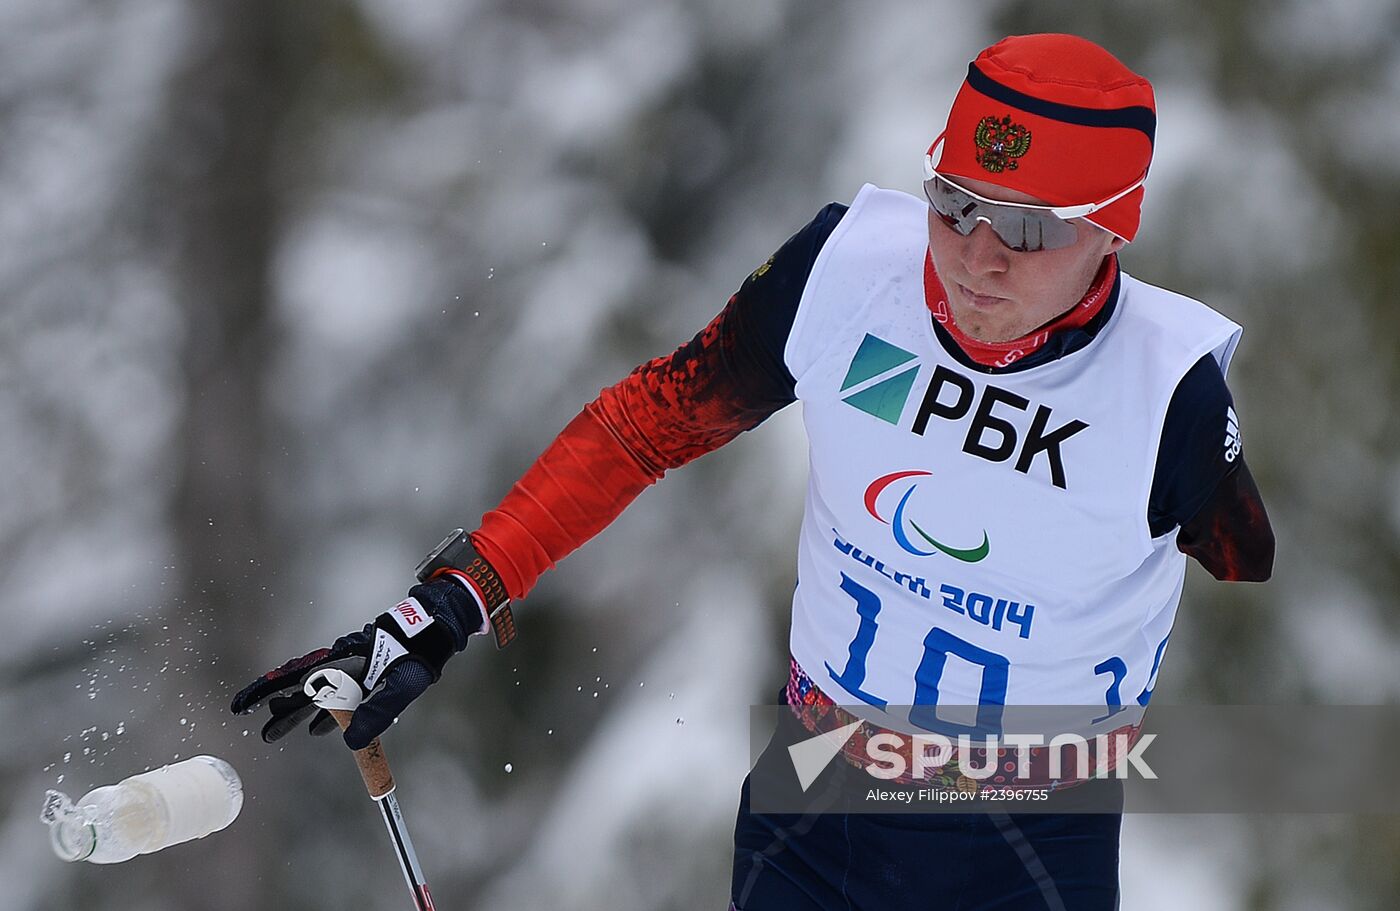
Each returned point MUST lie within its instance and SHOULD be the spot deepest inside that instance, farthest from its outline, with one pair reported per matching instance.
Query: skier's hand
(394, 659)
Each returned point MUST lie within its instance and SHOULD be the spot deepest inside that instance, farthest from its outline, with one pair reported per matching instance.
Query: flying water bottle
(144, 813)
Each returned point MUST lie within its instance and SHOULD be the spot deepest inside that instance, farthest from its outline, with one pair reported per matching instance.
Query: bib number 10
(938, 645)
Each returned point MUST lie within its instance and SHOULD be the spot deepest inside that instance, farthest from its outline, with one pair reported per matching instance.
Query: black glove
(394, 659)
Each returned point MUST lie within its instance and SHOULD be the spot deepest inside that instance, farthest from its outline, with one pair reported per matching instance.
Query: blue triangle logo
(874, 357)
(885, 400)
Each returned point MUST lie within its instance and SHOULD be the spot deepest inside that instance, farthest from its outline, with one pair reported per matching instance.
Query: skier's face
(996, 294)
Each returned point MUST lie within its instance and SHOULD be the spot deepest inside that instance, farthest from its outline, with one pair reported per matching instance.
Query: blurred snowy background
(291, 288)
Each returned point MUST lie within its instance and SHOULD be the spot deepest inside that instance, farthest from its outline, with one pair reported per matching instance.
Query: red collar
(1000, 354)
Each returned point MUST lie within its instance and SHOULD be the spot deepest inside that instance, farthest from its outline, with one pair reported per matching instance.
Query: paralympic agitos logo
(901, 519)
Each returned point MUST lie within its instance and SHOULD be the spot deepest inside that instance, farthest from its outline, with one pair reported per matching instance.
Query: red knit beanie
(1058, 117)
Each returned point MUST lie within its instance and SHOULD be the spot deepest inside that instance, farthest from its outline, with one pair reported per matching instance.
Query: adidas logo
(1233, 441)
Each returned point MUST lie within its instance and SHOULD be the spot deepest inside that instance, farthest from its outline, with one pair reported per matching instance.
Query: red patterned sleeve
(727, 379)
(667, 412)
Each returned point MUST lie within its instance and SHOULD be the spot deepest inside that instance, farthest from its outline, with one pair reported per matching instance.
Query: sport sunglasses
(1022, 228)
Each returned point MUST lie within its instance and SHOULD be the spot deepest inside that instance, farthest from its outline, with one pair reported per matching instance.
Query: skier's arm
(669, 411)
(1203, 485)
(1230, 536)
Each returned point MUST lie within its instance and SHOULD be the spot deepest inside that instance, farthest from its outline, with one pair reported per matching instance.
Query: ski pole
(337, 692)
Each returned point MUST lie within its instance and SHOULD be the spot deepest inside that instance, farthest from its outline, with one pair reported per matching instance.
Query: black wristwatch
(457, 553)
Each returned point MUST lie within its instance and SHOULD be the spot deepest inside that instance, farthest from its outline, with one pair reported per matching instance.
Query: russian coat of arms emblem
(1000, 143)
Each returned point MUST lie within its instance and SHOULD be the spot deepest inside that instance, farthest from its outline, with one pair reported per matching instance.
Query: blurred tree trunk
(214, 168)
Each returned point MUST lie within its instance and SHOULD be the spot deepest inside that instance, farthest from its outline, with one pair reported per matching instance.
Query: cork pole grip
(374, 768)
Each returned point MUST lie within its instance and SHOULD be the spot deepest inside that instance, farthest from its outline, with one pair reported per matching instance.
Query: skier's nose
(983, 252)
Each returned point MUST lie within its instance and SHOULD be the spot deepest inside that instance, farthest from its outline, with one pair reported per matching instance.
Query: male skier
(1031, 440)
